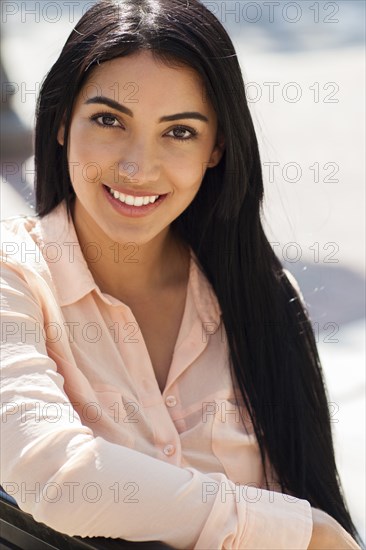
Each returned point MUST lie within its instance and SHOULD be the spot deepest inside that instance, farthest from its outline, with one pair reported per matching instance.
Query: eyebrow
(122, 109)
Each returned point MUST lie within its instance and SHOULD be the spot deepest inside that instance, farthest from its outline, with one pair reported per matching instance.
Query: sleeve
(79, 484)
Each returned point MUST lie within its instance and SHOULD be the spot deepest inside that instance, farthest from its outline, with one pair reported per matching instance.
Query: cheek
(80, 153)
(187, 179)
(80, 149)
(187, 170)
(88, 159)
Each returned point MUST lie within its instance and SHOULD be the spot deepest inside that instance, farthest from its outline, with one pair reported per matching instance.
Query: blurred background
(303, 65)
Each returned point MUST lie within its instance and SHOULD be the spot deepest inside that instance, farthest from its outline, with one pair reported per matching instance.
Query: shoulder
(17, 230)
(295, 285)
(292, 280)
(20, 243)
(17, 226)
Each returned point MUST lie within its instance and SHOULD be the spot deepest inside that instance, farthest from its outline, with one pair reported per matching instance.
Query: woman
(161, 377)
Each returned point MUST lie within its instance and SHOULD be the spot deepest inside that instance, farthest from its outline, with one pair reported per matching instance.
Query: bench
(19, 531)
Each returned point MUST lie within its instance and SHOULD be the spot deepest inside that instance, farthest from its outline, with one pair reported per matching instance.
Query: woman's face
(143, 129)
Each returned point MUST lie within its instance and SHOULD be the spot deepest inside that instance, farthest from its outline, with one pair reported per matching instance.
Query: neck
(130, 271)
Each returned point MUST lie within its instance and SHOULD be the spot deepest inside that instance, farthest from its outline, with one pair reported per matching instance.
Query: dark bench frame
(19, 531)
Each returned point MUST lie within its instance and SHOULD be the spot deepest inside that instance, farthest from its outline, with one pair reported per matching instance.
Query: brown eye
(182, 133)
(105, 120)
(108, 120)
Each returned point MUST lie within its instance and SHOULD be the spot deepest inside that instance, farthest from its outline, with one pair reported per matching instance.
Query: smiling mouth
(133, 200)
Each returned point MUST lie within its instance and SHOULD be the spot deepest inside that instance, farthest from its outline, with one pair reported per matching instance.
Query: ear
(217, 151)
(61, 132)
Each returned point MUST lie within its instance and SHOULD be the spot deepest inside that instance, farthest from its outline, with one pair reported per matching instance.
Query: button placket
(170, 401)
(169, 450)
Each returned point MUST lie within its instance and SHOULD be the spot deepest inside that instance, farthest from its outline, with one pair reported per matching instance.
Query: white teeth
(129, 200)
(138, 201)
(133, 201)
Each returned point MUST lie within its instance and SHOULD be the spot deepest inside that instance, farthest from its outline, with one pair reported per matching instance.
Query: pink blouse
(90, 445)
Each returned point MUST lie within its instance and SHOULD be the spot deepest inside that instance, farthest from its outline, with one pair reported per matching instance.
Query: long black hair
(273, 356)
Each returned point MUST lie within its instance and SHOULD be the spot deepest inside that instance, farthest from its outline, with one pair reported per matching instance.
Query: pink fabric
(90, 445)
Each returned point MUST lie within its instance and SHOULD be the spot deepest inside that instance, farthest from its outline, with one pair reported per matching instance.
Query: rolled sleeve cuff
(257, 519)
(276, 520)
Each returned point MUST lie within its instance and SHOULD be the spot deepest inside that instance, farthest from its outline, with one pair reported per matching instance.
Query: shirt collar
(73, 279)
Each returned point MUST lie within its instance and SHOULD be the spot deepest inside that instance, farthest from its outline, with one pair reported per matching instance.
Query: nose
(139, 163)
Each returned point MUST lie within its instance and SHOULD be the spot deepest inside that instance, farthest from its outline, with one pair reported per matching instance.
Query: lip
(134, 193)
(130, 210)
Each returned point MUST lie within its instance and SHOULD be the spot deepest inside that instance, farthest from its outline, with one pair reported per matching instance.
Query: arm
(328, 534)
(79, 484)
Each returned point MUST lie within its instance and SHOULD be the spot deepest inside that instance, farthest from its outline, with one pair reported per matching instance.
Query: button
(170, 401)
(169, 450)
